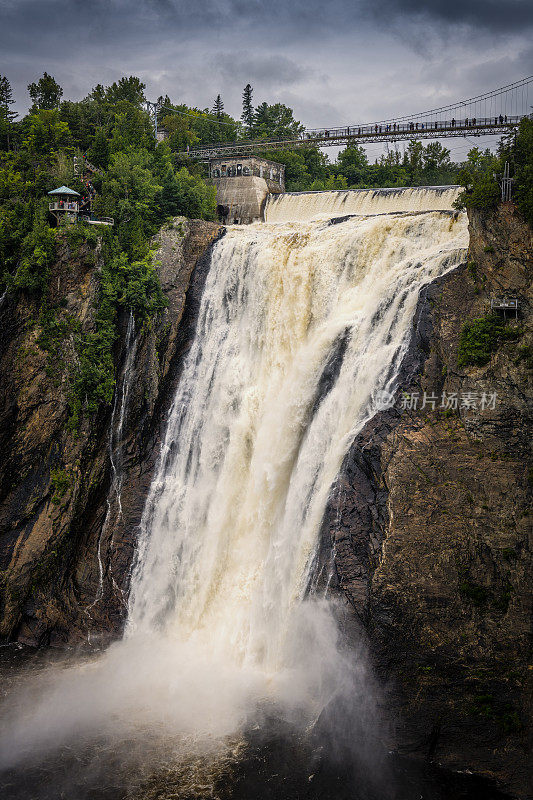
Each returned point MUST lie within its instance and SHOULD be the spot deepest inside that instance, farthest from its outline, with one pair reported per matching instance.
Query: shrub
(59, 483)
(37, 255)
(128, 284)
(480, 338)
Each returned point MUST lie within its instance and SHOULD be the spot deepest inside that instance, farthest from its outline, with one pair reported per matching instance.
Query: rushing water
(221, 629)
(304, 206)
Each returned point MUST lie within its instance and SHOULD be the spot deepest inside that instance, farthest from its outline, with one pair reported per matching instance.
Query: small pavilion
(64, 204)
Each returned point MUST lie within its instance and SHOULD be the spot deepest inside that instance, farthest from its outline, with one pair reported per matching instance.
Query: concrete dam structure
(253, 190)
(243, 186)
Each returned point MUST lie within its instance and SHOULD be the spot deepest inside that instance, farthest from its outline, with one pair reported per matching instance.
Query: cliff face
(431, 522)
(70, 501)
(429, 518)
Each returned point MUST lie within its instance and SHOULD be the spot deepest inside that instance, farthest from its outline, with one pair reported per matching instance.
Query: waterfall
(304, 206)
(221, 625)
(230, 527)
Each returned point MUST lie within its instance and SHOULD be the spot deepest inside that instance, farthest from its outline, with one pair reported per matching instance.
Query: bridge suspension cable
(515, 90)
(496, 112)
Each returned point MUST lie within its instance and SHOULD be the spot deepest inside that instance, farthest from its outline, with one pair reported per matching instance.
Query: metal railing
(62, 206)
(393, 131)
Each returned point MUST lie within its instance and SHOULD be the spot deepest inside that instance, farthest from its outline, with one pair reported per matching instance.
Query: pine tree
(7, 116)
(247, 115)
(218, 107)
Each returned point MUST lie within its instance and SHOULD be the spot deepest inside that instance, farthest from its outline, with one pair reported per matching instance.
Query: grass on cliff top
(481, 337)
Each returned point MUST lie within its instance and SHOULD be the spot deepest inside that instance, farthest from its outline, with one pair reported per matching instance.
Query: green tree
(46, 93)
(45, 134)
(353, 164)
(275, 122)
(297, 176)
(129, 89)
(436, 157)
(187, 195)
(413, 160)
(131, 129)
(180, 133)
(7, 117)
(523, 162)
(36, 256)
(218, 107)
(477, 175)
(99, 150)
(247, 115)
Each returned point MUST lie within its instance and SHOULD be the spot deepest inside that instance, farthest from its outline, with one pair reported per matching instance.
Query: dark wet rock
(430, 525)
(65, 570)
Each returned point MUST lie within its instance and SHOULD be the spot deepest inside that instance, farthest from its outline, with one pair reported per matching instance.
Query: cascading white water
(230, 527)
(304, 206)
(219, 622)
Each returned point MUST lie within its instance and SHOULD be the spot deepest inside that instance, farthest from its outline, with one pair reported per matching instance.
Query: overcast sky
(335, 62)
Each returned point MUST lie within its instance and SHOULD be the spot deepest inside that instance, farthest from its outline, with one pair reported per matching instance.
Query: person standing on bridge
(453, 123)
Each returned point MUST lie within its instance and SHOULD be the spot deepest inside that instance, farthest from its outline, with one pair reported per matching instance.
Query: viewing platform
(504, 306)
(65, 207)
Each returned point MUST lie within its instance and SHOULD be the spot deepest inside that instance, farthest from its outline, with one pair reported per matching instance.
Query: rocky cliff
(71, 500)
(430, 522)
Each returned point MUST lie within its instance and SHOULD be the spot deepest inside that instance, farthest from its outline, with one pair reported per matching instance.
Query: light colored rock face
(241, 200)
(64, 569)
(431, 521)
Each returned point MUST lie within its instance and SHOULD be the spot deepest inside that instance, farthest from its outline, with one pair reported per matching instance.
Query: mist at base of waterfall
(154, 718)
(269, 759)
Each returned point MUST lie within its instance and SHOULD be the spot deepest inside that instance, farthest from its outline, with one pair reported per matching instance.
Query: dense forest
(141, 182)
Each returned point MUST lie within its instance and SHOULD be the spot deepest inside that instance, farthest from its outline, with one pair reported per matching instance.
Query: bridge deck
(364, 134)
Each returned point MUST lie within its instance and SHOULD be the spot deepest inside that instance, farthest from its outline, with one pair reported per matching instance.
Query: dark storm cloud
(344, 59)
(496, 16)
(38, 25)
(271, 70)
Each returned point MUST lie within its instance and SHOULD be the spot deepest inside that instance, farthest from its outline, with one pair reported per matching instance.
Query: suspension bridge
(496, 112)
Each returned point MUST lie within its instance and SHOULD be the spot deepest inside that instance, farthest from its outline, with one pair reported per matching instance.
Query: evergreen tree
(99, 151)
(46, 93)
(218, 107)
(247, 115)
(6, 115)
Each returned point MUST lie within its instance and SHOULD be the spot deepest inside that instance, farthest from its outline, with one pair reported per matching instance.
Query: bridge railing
(440, 127)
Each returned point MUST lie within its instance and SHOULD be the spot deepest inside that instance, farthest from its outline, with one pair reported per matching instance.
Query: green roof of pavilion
(64, 190)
